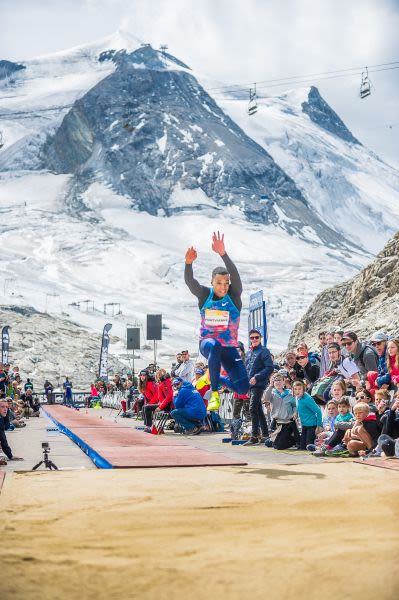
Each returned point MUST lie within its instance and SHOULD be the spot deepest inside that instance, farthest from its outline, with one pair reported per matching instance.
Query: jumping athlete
(220, 308)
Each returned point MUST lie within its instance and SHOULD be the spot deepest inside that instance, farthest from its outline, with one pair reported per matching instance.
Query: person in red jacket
(393, 360)
(165, 391)
(148, 390)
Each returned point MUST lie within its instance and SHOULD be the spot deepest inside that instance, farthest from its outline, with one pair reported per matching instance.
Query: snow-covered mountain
(115, 162)
(356, 193)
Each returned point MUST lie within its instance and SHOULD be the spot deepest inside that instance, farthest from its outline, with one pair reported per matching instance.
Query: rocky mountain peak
(323, 115)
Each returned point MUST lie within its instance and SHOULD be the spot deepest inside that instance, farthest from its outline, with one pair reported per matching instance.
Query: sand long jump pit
(277, 532)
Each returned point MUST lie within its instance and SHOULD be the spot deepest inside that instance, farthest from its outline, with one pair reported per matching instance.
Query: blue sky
(238, 42)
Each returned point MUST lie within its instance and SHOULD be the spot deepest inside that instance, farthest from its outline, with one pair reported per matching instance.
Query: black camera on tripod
(46, 461)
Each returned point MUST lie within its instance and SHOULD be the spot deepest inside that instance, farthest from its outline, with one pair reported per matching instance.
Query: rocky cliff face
(47, 347)
(149, 129)
(366, 303)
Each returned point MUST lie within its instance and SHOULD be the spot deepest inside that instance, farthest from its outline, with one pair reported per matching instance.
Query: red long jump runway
(116, 445)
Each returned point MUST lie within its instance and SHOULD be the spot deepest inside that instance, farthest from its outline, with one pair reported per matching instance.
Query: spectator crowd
(340, 399)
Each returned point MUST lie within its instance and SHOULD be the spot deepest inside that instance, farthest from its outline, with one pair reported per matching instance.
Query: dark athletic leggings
(227, 357)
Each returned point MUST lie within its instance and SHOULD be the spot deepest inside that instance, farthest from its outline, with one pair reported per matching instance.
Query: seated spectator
(148, 395)
(241, 401)
(14, 418)
(364, 355)
(337, 390)
(309, 414)
(165, 391)
(364, 434)
(305, 370)
(3, 438)
(343, 421)
(388, 441)
(313, 357)
(283, 411)
(362, 395)
(379, 342)
(393, 361)
(328, 423)
(190, 411)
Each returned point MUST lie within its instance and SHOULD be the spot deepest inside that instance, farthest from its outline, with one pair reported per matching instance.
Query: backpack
(364, 350)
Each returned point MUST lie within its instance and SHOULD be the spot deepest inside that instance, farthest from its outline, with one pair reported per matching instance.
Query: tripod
(46, 461)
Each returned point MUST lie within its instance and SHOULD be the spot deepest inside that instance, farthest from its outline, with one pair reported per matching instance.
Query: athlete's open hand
(218, 243)
(191, 256)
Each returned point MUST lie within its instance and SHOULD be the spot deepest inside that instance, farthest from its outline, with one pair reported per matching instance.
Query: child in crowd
(363, 436)
(283, 412)
(343, 421)
(328, 426)
(309, 414)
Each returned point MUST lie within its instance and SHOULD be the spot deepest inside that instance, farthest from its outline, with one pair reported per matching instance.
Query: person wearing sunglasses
(304, 369)
(220, 307)
(259, 365)
(364, 355)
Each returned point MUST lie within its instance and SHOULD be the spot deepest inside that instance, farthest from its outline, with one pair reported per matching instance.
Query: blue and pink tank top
(220, 320)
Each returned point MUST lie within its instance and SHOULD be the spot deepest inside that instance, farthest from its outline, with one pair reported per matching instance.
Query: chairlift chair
(365, 85)
(253, 104)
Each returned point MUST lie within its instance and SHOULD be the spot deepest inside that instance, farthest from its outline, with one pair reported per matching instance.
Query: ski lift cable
(293, 77)
(303, 82)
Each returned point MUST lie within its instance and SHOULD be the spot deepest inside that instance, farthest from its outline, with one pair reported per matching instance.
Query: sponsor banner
(103, 370)
(5, 344)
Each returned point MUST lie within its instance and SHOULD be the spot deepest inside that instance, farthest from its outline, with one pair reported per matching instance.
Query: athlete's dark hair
(219, 271)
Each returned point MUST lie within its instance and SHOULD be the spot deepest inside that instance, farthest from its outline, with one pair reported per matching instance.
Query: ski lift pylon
(253, 103)
(1, 140)
(365, 85)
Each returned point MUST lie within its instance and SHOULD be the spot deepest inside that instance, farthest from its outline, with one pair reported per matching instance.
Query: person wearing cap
(259, 365)
(379, 341)
(220, 307)
(186, 368)
(189, 411)
(364, 355)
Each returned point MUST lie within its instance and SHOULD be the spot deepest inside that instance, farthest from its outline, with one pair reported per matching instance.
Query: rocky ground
(45, 346)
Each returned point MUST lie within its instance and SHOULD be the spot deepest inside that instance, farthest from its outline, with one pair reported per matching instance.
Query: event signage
(103, 370)
(5, 344)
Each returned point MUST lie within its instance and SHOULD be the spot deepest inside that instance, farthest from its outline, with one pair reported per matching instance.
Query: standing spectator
(324, 360)
(363, 354)
(259, 365)
(67, 385)
(309, 414)
(186, 369)
(28, 385)
(48, 391)
(241, 401)
(176, 365)
(3, 438)
(3, 379)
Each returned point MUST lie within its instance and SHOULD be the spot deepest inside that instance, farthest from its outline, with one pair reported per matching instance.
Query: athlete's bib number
(217, 318)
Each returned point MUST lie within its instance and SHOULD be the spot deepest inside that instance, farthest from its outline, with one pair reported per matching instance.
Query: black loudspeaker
(154, 327)
(133, 338)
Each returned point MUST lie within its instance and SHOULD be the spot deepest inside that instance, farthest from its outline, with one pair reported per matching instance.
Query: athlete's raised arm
(200, 291)
(218, 246)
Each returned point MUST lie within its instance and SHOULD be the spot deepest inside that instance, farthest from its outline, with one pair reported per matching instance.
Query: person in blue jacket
(190, 410)
(259, 365)
(309, 414)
